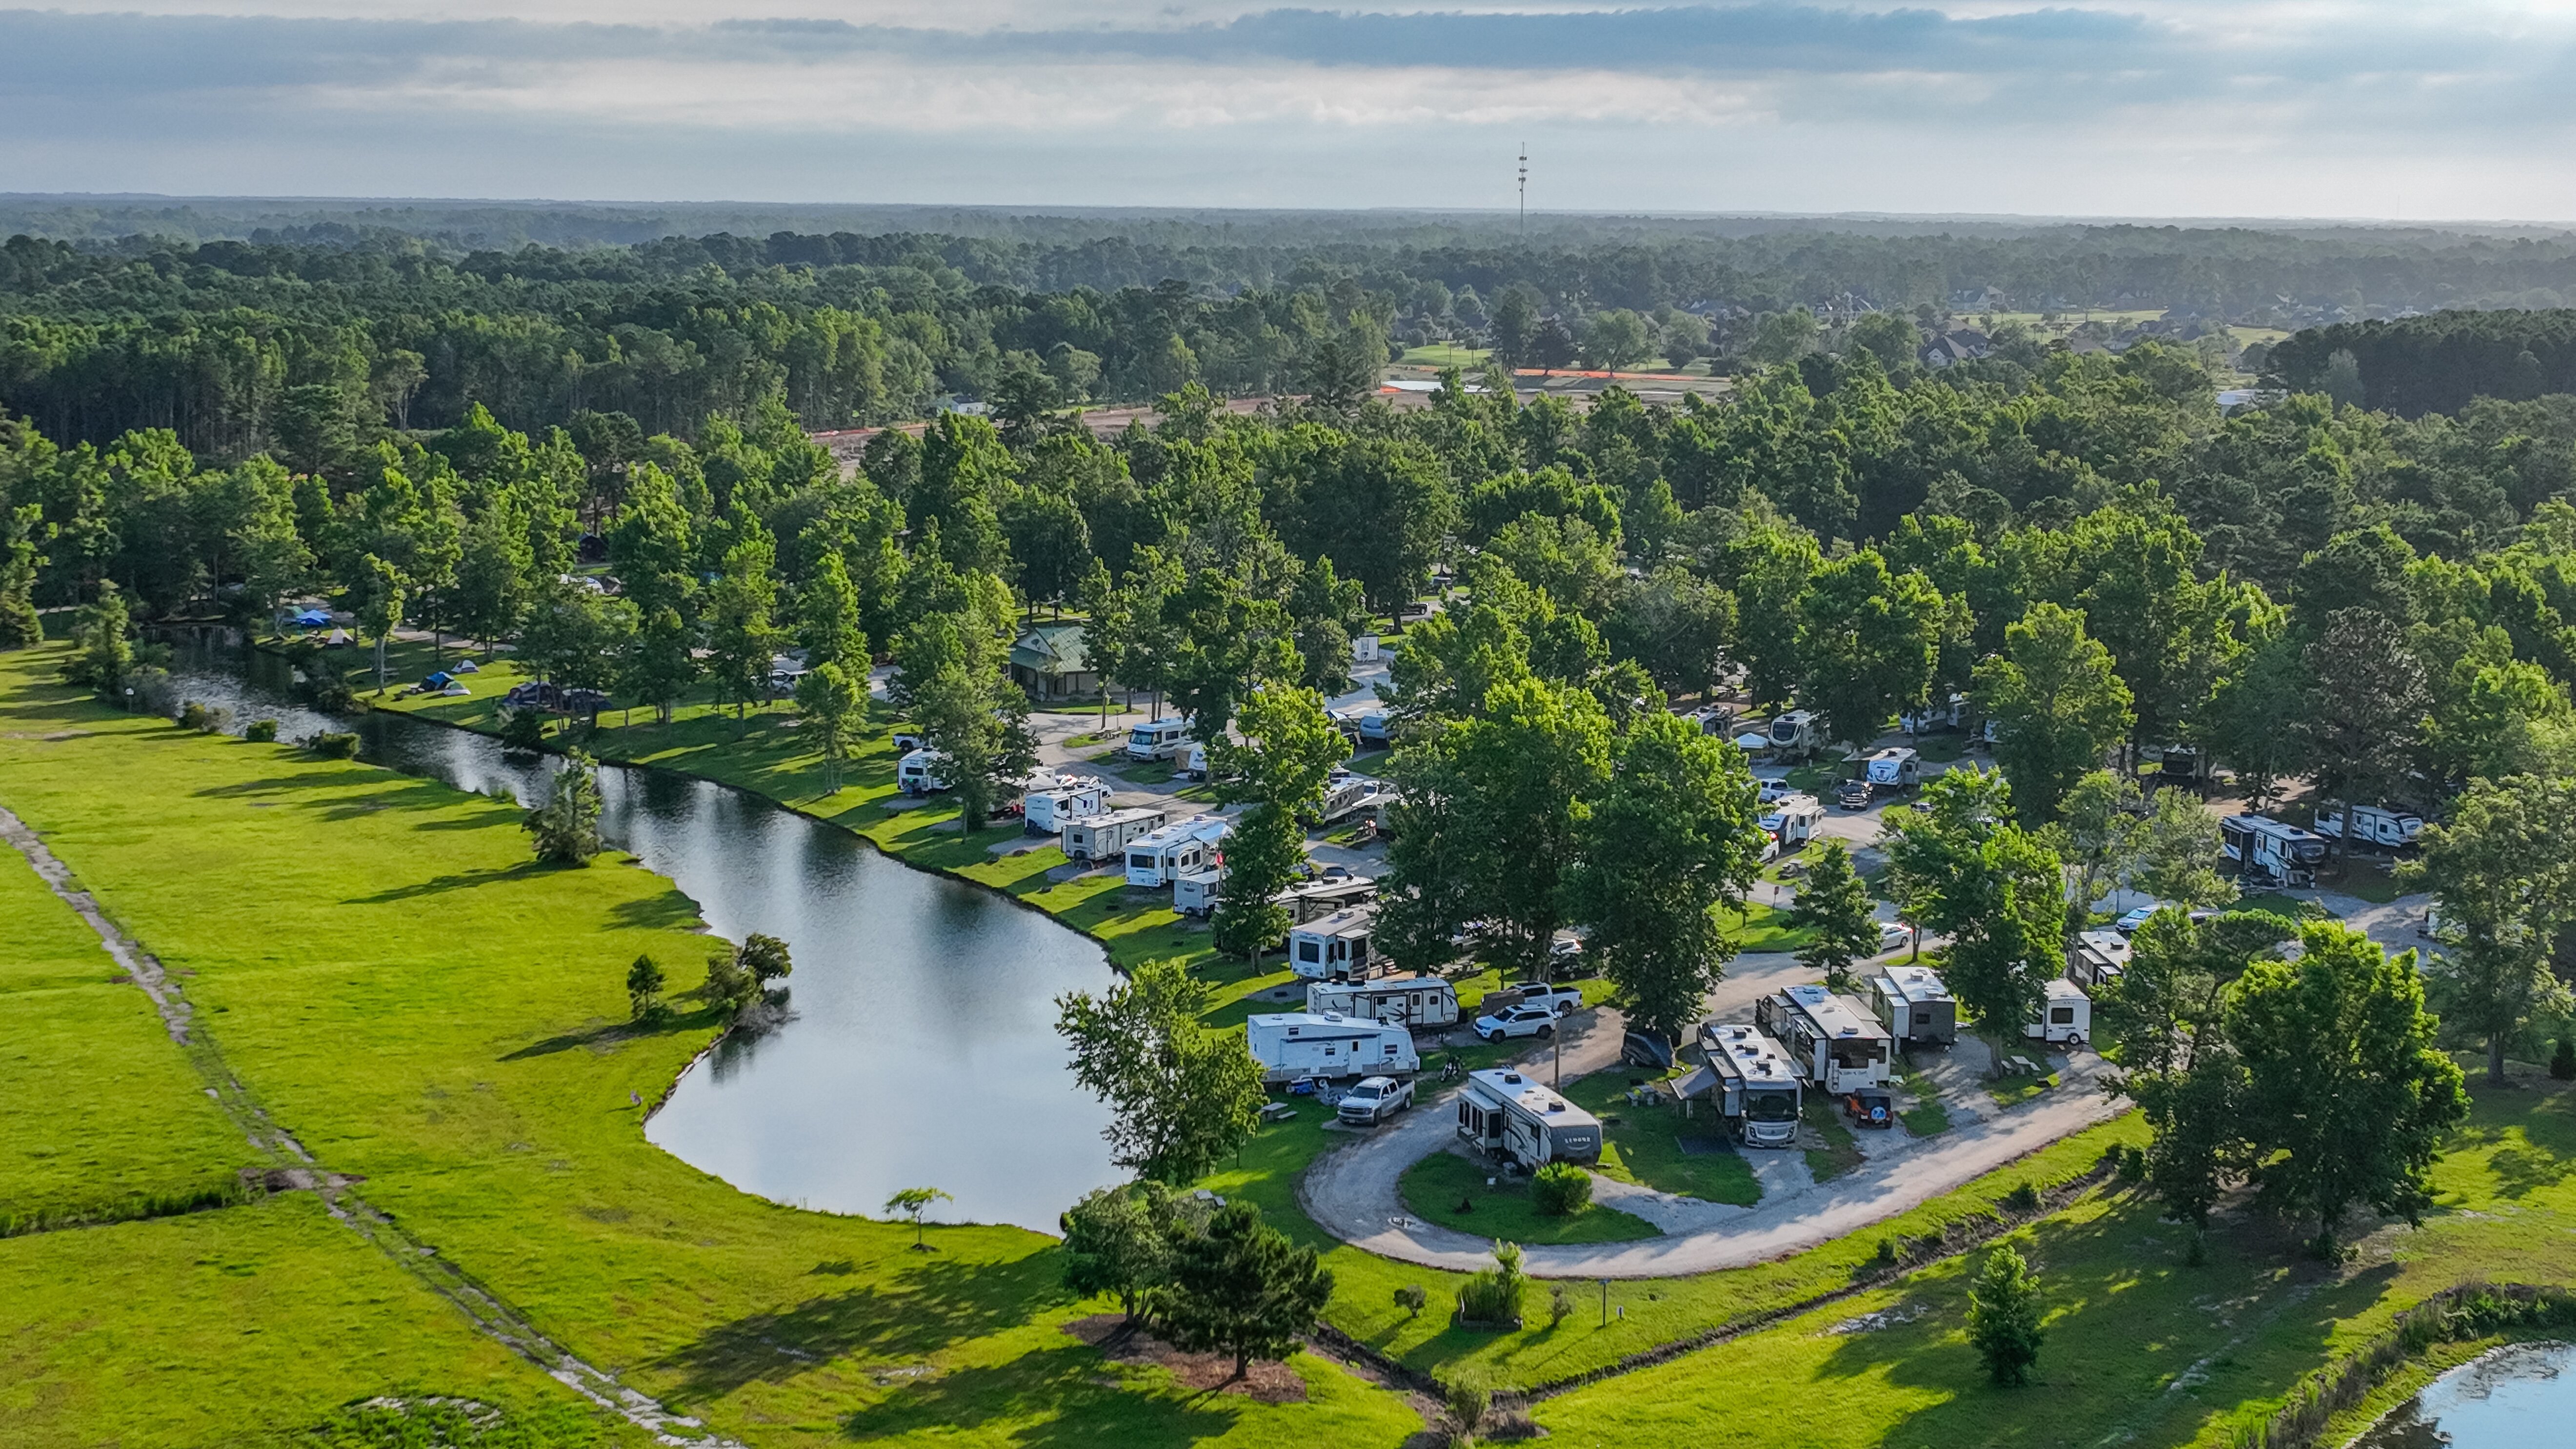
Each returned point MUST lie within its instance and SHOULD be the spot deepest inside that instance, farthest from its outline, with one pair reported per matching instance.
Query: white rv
(1334, 947)
(1505, 1112)
(1195, 894)
(1298, 1044)
(1797, 733)
(2279, 854)
(1049, 807)
(2372, 825)
(1894, 768)
(1914, 1005)
(1346, 797)
(1158, 739)
(1750, 1081)
(2099, 956)
(1105, 836)
(917, 773)
(1165, 855)
(2067, 1019)
(1323, 897)
(1366, 723)
(1836, 1045)
(1792, 820)
(1420, 1003)
(1933, 717)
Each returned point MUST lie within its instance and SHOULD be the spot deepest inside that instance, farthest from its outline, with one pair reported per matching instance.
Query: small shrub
(2562, 1062)
(1561, 1189)
(1410, 1298)
(1889, 1252)
(334, 745)
(2003, 1318)
(1560, 1307)
(1468, 1401)
(1494, 1294)
(201, 718)
(2133, 1163)
(2024, 1198)
(260, 732)
(523, 729)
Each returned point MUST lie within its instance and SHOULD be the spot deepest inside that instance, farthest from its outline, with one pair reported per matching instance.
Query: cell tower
(1525, 191)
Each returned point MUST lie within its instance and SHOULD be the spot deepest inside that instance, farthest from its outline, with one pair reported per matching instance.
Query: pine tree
(2003, 1318)
(1835, 904)
(1243, 1288)
(567, 825)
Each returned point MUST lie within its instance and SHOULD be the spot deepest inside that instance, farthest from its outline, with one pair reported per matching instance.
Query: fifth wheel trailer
(1419, 1003)
(1836, 1045)
(1504, 1112)
(2272, 851)
(1294, 1044)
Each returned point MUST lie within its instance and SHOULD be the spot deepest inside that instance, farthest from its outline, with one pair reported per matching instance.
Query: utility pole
(1524, 177)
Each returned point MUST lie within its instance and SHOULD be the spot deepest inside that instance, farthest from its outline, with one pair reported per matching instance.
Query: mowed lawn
(395, 982)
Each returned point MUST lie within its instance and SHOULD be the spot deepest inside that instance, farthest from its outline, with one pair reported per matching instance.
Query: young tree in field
(658, 665)
(1181, 1094)
(1116, 1240)
(2347, 1097)
(1668, 843)
(1868, 639)
(2177, 854)
(1290, 748)
(1242, 1288)
(827, 617)
(567, 825)
(1835, 904)
(103, 644)
(2058, 704)
(2365, 707)
(2097, 831)
(912, 1202)
(379, 591)
(2003, 1318)
(644, 987)
(740, 635)
(833, 708)
(2503, 873)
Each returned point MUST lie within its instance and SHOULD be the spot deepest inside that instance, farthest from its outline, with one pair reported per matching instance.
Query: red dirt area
(1123, 1342)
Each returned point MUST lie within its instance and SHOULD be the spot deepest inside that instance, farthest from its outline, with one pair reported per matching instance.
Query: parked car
(1894, 936)
(1645, 1049)
(1870, 1108)
(1770, 791)
(1852, 795)
(1514, 1021)
(1374, 1100)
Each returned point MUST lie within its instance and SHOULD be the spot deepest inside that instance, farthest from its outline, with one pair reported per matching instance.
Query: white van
(2067, 1019)
(1163, 857)
(1158, 739)
(917, 773)
(1297, 1044)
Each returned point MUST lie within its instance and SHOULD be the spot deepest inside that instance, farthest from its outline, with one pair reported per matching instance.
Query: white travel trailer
(1750, 1081)
(1836, 1045)
(1792, 820)
(1894, 768)
(1366, 723)
(1346, 797)
(1157, 739)
(2067, 1019)
(1508, 1113)
(1914, 1005)
(2272, 851)
(1323, 897)
(917, 773)
(1050, 806)
(1798, 732)
(1195, 894)
(1418, 1003)
(2372, 825)
(1934, 717)
(1105, 836)
(1164, 856)
(1297, 1044)
(2099, 956)
(1334, 947)
(1365, 649)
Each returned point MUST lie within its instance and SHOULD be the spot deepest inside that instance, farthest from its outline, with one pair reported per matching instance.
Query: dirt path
(295, 1169)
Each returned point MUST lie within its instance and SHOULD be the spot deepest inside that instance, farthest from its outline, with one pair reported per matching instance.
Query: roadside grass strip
(1654, 1145)
(1480, 1198)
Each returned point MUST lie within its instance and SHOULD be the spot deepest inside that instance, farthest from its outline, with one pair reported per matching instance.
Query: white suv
(1374, 1099)
(1523, 1020)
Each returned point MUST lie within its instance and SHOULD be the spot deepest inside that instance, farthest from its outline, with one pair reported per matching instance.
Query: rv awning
(1749, 742)
(1696, 1084)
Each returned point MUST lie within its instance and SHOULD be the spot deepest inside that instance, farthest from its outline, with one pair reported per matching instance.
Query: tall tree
(1834, 905)
(379, 587)
(1868, 639)
(1181, 1093)
(494, 576)
(2365, 707)
(1669, 841)
(832, 705)
(2502, 871)
(1289, 750)
(659, 662)
(2097, 832)
(1242, 1288)
(741, 637)
(2058, 704)
(2179, 858)
(2347, 1096)
(827, 616)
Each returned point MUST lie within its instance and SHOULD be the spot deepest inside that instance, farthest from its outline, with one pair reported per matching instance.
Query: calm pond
(2507, 1399)
(921, 1051)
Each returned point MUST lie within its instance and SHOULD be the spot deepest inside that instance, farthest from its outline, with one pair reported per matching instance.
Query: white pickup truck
(1559, 1000)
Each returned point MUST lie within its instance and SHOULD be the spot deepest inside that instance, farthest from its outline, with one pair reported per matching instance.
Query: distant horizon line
(1113, 209)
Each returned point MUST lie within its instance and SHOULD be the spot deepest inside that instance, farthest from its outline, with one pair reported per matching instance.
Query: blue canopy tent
(440, 680)
(311, 619)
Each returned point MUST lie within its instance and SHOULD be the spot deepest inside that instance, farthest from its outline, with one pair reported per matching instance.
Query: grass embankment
(1472, 1197)
(395, 982)
(1840, 1154)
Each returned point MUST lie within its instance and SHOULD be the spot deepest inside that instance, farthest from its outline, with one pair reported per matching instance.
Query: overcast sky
(2418, 109)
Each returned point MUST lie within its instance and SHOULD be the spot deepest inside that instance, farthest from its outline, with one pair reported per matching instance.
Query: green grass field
(1646, 1144)
(1435, 1188)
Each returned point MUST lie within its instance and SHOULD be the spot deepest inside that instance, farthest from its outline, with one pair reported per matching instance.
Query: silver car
(1537, 1021)
(1374, 1100)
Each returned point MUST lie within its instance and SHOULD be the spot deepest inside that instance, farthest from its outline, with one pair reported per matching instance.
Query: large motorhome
(1334, 947)
(1895, 768)
(1914, 1006)
(1506, 1112)
(1047, 807)
(2098, 957)
(1792, 820)
(1749, 1080)
(1798, 733)
(1105, 836)
(1836, 1045)
(1165, 855)
(2274, 852)
(1157, 739)
(1297, 1044)
(1419, 1003)
(2372, 825)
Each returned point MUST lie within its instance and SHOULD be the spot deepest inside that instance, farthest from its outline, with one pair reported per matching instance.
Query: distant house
(1050, 663)
(1962, 345)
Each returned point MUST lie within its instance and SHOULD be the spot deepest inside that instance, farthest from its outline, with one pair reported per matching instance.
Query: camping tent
(1749, 742)
(440, 680)
(311, 619)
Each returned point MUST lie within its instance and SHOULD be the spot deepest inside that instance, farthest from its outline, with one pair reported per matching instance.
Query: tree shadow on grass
(667, 910)
(441, 885)
(924, 1306)
(1063, 1397)
(608, 1033)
